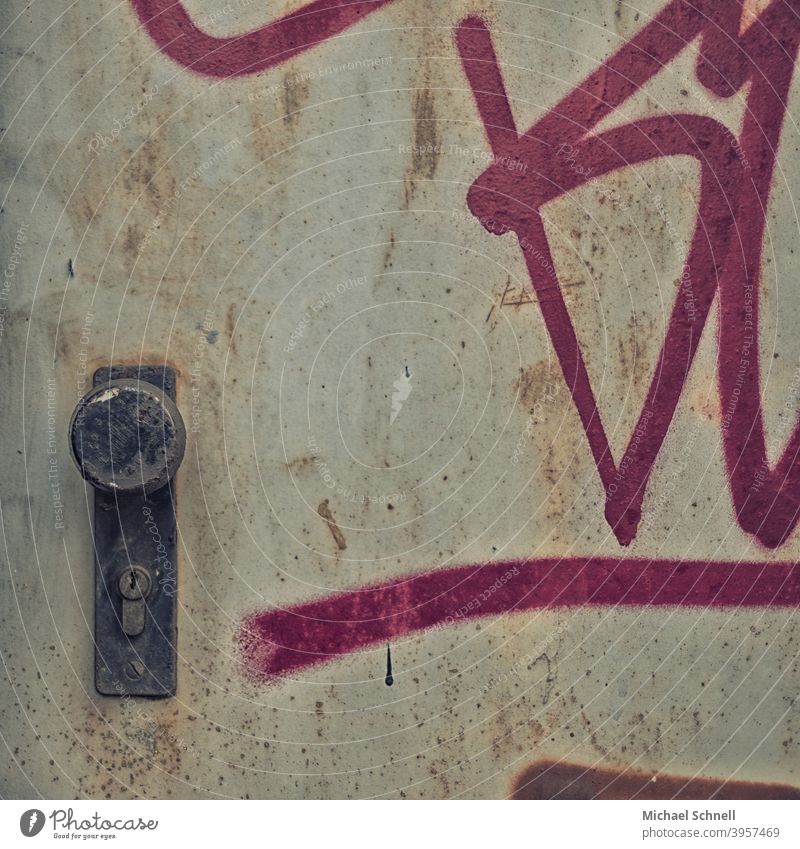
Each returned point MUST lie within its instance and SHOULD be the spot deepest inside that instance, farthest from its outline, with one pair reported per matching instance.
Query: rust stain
(539, 386)
(553, 780)
(263, 139)
(324, 510)
(148, 173)
(426, 144)
(230, 326)
(425, 156)
(120, 748)
(272, 135)
(294, 94)
(705, 398)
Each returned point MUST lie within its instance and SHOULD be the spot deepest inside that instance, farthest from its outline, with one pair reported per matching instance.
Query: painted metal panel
(483, 316)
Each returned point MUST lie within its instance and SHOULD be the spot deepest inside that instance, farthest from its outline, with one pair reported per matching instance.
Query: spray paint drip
(389, 679)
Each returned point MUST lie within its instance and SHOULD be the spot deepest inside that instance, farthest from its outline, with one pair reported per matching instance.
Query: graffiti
(726, 247)
(277, 642)
(175, 33)
(559, 780)
(559, 154)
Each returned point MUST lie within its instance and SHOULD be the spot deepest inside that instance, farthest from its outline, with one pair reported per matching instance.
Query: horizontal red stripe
(278, 641)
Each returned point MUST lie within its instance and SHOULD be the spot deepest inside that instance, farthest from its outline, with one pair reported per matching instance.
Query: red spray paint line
(280, 641)
(726, 248)
(177, 35)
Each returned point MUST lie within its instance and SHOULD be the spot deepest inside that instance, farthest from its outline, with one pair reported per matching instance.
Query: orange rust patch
(552, 780)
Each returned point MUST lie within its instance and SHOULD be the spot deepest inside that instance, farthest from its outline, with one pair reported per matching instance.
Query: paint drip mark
(389, 678)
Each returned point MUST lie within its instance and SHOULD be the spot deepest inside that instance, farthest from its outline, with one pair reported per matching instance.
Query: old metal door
(483, 317)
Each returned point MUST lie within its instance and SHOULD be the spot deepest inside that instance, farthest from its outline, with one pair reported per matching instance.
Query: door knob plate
(127, 438)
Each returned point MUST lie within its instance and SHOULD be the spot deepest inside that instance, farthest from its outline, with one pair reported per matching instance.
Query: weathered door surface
(484, 319)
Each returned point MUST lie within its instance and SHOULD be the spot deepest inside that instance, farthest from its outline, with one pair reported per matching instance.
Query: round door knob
(127, 436)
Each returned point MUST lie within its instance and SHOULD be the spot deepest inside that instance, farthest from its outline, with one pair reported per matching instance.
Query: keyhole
(134, 584)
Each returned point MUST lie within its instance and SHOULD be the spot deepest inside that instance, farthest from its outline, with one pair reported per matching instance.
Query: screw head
(134, 670)
(127, 436)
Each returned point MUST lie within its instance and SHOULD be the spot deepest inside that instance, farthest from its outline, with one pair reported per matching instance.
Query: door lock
(134, 587)
(127, 438)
